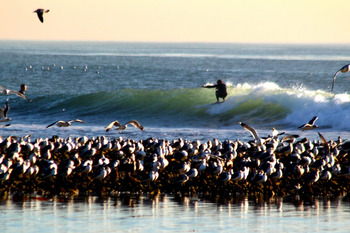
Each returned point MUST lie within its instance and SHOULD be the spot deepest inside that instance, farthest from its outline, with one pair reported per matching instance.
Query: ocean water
(281, 86)
(170, 214)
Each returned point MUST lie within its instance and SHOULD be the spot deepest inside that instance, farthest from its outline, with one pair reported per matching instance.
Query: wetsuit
(221, 90)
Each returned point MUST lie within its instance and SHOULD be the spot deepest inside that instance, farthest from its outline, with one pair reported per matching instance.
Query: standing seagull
(40, 13)
(344, 69)
(310, 125)
(64, 123)
(135, 123)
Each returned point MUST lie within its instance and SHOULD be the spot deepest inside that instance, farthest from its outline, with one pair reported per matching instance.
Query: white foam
(301, 105)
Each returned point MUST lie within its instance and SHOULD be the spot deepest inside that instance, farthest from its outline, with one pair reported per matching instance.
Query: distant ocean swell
(263, 105)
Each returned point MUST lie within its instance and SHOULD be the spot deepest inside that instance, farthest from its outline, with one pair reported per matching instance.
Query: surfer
(221, 90)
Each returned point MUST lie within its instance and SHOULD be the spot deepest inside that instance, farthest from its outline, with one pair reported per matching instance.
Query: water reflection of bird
(135, 123)
(40, 13)
(344, 69)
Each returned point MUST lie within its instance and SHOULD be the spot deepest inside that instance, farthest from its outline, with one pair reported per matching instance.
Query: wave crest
(265, 105)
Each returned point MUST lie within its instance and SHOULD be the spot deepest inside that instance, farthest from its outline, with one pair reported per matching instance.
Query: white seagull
(258, 140)
(40, 13)
(6, 91)
(65, 123)
(135, 123)
(310, 125)
(3, 114)
(344, 69)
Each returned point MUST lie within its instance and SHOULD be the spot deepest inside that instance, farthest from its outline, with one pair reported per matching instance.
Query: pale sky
(237, 21)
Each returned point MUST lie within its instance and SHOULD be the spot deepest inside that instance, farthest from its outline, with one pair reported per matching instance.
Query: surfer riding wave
(221, 90)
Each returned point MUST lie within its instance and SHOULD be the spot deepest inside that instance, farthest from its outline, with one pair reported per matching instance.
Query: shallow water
(167, 213)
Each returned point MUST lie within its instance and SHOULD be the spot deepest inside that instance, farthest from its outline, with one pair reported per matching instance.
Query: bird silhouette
(40, 13)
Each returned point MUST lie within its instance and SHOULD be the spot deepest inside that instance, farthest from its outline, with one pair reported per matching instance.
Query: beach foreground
(99, 166)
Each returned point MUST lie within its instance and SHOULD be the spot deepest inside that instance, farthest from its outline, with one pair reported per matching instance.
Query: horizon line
(176, 42)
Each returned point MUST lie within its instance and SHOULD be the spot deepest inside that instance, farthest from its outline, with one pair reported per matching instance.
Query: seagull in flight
(20, 93)
(324, 143)
(310, 125)
(40, 13)
(65, 123)
(259, 141)
(3, 114)
(344, 69)
(135, 123)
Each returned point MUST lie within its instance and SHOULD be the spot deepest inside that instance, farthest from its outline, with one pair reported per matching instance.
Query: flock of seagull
(277, 164)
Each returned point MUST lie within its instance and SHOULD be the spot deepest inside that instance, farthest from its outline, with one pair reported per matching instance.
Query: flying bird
(65, 123)
(20, 93)
(40, 13)
(324, 143)
(135, 123)
(259, 141)
(3, 114)
(310, 125)
(344, 69)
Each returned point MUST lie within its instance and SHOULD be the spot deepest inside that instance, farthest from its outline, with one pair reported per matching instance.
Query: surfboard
(208, 105)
